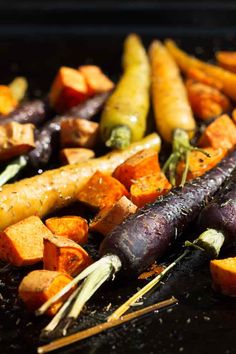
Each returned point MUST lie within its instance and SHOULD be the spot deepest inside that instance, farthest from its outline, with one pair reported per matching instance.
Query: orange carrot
(109, 217)
(206, 102)
(223, 272)
(78, 133)
(200, 163)
(7, 101)
(75, 155)
(143, 163)
(96, 80)
(234, 116)
(64, 255)
(22, 243)
(146, 189)
(40, 285)
(69, 88)
(227, 60)
(73, 227)
(219, 134)
(200, 76)
(15, 139)
(101, 191)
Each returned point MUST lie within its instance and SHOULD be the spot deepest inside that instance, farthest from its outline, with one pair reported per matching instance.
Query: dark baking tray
(203, 322)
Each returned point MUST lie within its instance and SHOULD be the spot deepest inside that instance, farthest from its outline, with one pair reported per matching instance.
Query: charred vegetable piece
(15, 139)
(73, 227)
(75, 155)
(64, 255)
(57, 188)
(39, 286)
(223, 272)
(124, 116)
(22, 243)
(29, 112)
(185, 62)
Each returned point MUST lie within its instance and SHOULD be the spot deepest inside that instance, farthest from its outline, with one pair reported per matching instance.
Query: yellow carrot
(186, 62)
(54, 189)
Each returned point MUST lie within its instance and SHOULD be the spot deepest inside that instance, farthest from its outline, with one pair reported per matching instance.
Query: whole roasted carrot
(186, 62)
(54, 189)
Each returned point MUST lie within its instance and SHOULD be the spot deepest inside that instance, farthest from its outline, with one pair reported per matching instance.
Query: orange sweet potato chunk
(223, 272)
(7, 101)
(73, 227)
(75, 155)
(227, 60)
(64, 255)
(207, 102)
(15, 139)
(78, 133)
(69, 88)
(141, 164)
(146, 189)
(21, 244)
(96, 80)
(101, 191)
(40, 285)
(219, 134)
(200, 163)
(108, 218)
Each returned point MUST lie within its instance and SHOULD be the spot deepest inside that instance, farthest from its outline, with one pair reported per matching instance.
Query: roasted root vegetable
(64, 255)
(146, 235)
(18, 88)
(75, 155)
(109, 217)
(206, 102)
(21, 244)
(96, 80)
(101, 191)
(124, 116)
(200, 76)
(15, 139)
(139, 165)
(200, 163)
(39, 286)
(186, 62)
(169, 96)
(223, 272)
(227, 60)
(71, 226)
(54, 189)
(69, 88)
(148, 188)
(7, 101)
(219, 134)
(78, 133)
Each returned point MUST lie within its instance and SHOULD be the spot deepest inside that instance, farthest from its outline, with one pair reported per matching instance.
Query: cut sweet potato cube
(108, 218)
(200, 163)
(227, 60)
(73, 227)
(96, 80)
(139, 165)
(40, 285)
(15, 139)
(206, 102)
(101, 191)
(200, 76)
(64, 255)
(21, 244)
(75, 155)
(219, 134)
(7, 101)
(78, 133)
(68, 89)
(148, 188)
(223, 272)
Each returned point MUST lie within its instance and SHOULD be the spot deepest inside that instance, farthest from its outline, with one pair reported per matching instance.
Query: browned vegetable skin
(54, 189)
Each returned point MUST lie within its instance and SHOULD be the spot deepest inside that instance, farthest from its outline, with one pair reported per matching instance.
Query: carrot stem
(120, 137)
(12, 169)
